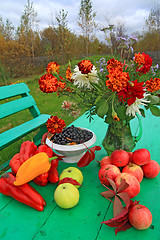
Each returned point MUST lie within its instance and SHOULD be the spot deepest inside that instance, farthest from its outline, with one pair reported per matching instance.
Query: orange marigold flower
(55, 124)
(48, 83)
(144, 62)
(69, 74)
(153, 85)
(139, 58)
(61, 84)
(52, 67)
(85, 66)
(112, 64)
(117, 80)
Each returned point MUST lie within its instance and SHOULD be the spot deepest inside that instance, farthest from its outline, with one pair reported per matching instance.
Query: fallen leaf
(88, 157)
(117, 206)
(125, 225)
(69, 180)
(121, 221)
(125, 197)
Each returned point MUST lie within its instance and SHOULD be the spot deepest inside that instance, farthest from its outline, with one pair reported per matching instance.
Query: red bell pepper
(42, 179)
(27, 150)
(24, 193)
(46, 149)
(15, 163)
(53, 175)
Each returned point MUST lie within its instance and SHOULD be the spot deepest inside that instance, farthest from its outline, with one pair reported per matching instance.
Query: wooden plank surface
(11, 135)
(13, 90)
(19, 221)
(15, 106)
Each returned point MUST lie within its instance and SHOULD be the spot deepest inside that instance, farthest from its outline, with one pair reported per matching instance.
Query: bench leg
(37, 138)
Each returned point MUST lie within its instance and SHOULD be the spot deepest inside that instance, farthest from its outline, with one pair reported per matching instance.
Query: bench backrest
(25, 101)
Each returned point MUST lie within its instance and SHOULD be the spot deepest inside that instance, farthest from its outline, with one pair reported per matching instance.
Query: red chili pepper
(24, 193)
(53, 175)
(42, 179)
(46, 149)
(27, 150)
(15, 163)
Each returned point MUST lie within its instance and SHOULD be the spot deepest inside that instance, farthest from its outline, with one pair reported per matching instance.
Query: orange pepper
(38, 164)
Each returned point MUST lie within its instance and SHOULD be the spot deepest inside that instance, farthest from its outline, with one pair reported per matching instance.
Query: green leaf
(108, 119)
(154, 99)
(96, 86)
(102, 108)
(121, 112)
(98, 99)
(155, 110)
(142, 112)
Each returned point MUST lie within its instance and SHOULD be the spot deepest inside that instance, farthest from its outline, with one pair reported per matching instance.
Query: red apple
(134, 170)
(140, 217)
(120, 158)
(134, 186)
(108, 171)
(151, 169)
(141, 156)
(105, 160)
(130, 156)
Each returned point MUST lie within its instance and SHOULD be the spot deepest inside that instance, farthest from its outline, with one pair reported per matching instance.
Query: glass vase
(119, 136)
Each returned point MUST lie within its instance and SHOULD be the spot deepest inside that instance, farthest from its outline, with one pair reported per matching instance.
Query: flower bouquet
(115, 91)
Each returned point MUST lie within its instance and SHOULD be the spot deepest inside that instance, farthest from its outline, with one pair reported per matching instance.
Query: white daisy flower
(85, 79)
(134, 108)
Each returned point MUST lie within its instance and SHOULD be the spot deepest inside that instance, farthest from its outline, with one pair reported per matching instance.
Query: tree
(153, 21)
(8, 30)
(28, 29)
(49, 40)
(1, 26)
(113, 32)
(63, 35)
(86, 21)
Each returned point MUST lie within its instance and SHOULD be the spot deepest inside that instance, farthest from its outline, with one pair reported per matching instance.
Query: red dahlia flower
(132, 91)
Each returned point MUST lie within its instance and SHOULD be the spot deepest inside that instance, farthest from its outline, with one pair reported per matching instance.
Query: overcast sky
(132, 12)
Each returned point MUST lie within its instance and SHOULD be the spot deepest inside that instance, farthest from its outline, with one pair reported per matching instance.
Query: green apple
(66, 195)
(72, 172)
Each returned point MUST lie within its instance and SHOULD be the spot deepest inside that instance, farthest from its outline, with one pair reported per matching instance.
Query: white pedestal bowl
(72, 153)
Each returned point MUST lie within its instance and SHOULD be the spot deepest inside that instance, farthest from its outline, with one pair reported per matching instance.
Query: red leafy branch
(88, 157)
(117, 194)
(120, 219)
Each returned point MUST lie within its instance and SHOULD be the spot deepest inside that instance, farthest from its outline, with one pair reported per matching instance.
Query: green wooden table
(18, 221)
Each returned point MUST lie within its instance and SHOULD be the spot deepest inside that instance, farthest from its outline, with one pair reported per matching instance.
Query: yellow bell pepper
(37, 164)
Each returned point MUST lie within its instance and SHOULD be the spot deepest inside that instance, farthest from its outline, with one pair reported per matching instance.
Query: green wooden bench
(16, 98)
